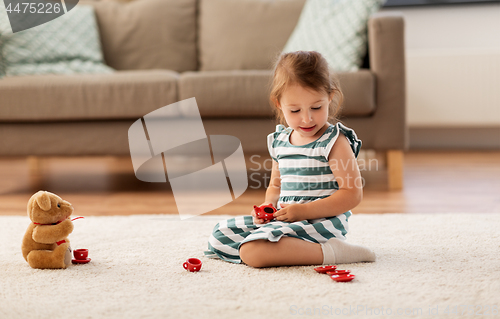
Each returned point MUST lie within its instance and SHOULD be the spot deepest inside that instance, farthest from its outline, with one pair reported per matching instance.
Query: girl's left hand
(289, 213)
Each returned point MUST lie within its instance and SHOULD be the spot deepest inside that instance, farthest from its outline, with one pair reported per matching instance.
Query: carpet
(444, 264)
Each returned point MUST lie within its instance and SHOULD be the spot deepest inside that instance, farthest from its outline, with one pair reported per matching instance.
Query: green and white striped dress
(305, 177)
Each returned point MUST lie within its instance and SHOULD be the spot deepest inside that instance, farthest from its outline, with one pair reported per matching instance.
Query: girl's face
(305, 110)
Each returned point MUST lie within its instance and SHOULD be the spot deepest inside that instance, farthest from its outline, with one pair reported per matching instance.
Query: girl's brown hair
(308, 69)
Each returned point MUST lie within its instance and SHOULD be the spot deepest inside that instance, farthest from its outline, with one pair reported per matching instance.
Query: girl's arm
(346, 171)
(272, 192)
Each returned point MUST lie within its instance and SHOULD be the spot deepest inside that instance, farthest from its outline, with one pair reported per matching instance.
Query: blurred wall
(453, 71)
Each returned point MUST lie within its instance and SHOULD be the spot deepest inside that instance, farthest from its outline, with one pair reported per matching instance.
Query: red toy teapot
(265, 211)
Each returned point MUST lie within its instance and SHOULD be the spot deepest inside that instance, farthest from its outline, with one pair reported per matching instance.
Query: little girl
(315, 179)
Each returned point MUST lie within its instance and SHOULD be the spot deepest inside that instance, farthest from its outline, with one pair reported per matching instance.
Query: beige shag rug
(428, 265)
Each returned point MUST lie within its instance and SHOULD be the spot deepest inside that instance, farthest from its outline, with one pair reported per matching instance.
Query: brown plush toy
(45, 244)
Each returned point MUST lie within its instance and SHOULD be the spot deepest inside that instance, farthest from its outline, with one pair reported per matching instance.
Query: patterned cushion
(65, 45)
(336, 29)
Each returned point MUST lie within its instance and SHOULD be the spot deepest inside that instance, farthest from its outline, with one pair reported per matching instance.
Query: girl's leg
(288, 251)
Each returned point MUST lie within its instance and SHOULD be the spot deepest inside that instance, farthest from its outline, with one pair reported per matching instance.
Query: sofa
(219, 51)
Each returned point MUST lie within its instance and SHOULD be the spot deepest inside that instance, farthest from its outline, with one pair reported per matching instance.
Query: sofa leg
(395, 163)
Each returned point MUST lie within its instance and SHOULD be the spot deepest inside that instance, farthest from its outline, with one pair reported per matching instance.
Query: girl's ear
(330, 98)
(277, 103)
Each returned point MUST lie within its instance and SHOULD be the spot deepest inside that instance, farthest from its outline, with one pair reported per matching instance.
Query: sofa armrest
(387, 62)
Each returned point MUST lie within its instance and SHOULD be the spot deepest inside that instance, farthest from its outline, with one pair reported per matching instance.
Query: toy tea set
(46, 245)
(336, 274)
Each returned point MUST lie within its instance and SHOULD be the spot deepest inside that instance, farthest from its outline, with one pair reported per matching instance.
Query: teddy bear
(45, 244)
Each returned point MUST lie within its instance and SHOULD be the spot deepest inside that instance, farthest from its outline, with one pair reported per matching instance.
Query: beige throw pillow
(148, 34)
(244, 34)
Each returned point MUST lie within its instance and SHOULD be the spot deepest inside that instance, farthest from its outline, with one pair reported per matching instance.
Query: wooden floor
(434, 182)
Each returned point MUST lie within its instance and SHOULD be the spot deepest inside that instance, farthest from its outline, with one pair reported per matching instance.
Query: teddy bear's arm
(48, 234)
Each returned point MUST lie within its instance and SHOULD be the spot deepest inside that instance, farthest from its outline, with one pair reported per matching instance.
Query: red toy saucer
(342, 278)
(83, 261)
(325, 269)
(338, 272)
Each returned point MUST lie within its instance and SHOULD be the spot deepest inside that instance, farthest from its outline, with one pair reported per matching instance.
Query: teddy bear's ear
(43, 200)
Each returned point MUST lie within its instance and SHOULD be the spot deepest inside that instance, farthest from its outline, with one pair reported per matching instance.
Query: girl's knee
(252, 254)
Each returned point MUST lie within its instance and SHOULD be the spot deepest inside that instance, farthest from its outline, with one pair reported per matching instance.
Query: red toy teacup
(265, 211)
(81, 254)
(192, 264)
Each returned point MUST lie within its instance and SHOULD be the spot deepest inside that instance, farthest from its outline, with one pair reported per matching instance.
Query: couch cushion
(120, 95)
(359, 93)
(68, 44)
(245, 93)
(228, 93)
(148, 34)
(244, 34)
